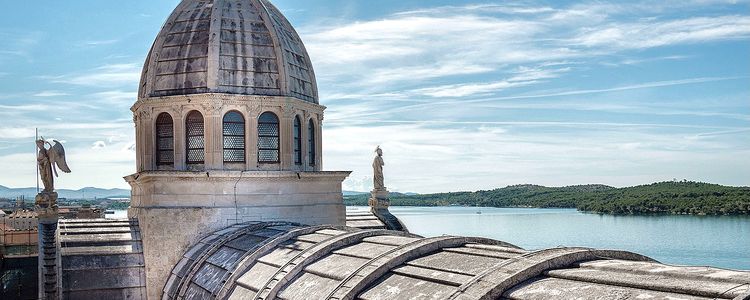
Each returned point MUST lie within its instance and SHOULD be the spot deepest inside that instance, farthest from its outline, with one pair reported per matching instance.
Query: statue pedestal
(49, 260)
(379, 199)
(379, 203)
(46, 207)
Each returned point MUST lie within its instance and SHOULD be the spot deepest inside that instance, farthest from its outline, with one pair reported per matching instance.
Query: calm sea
(679, 240)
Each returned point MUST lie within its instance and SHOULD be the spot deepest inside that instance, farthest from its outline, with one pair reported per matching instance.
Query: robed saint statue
(377, 166)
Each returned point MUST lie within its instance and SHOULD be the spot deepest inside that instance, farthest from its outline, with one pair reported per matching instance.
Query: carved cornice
(289, 111)
(145, 113)
(227, 99)
(234, 176)
(216, 104)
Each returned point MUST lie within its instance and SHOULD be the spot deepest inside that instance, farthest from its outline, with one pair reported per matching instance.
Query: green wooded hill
(684, 197)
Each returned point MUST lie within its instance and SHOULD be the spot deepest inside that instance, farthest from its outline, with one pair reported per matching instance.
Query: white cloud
(24, 107)
(112, 75)
(407, 50)
(100, 42)
(116, 97)
(50, 94)
(649, 34)
(462, 90)
(523, 76)
(16, 133)
(433, 158)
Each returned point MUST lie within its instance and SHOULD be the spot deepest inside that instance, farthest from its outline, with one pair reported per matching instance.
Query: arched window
(164, 140)
(195, 142)
(297, 141)
(311, 143)
(234, 137)
(268, 138)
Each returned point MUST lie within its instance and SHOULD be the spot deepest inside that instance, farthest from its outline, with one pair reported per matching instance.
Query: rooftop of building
(281, 260)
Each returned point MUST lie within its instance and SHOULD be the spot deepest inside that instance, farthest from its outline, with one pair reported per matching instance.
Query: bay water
(719, 241)
(678, 240)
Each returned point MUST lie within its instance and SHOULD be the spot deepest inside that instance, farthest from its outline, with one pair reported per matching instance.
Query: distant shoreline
(663, 198)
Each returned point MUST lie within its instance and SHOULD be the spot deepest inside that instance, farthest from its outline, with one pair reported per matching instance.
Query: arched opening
(297, 141)
(164, 140)
(195, 141)
(268, 138)
(234, 137)
(311, 143)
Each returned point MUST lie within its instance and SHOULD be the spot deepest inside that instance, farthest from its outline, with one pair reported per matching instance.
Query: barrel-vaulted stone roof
(291, 261)
(101, 259)
(244, 47)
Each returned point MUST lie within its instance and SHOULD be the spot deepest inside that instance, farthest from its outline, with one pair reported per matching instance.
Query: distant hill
(684, 197)
(88, 193)
(352, 193)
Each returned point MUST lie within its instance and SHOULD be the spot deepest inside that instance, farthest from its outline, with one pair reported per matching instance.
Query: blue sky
(462, 95)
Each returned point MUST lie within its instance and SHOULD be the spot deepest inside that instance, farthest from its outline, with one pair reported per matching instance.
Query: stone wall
(175, 209)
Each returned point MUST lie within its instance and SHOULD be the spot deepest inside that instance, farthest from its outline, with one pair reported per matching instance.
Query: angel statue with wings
(49, 159)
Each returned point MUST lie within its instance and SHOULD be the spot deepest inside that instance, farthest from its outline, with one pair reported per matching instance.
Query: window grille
(268, 138)
(311, 143)
(234, 138)
(164, 140)
(297, 141)
(195, 139)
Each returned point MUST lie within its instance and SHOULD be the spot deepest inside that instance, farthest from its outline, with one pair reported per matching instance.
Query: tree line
(672, 197)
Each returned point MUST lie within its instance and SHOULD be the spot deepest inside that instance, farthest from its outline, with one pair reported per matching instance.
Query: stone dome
(243, 47)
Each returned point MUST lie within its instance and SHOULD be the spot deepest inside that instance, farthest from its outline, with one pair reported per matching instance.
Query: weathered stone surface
(549, 288)
(163, 201)
(228, 46)
(340, 264)
(102, 259)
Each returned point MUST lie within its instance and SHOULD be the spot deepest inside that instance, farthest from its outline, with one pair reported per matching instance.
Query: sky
(461, 95)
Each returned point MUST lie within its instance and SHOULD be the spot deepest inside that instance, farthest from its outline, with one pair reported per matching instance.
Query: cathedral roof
(290, 261)
(244, 47)
(101, 259)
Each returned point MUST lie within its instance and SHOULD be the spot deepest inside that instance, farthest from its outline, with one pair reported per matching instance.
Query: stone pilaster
(179, 143)
(252, 138)
(319, 144)
(287, 139)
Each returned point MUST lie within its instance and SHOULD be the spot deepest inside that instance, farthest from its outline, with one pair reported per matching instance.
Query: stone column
(49, 259)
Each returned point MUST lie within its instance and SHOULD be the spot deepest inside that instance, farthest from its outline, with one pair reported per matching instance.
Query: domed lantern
(228, 130)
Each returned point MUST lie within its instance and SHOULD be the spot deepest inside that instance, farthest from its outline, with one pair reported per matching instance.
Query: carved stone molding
(289, 111)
